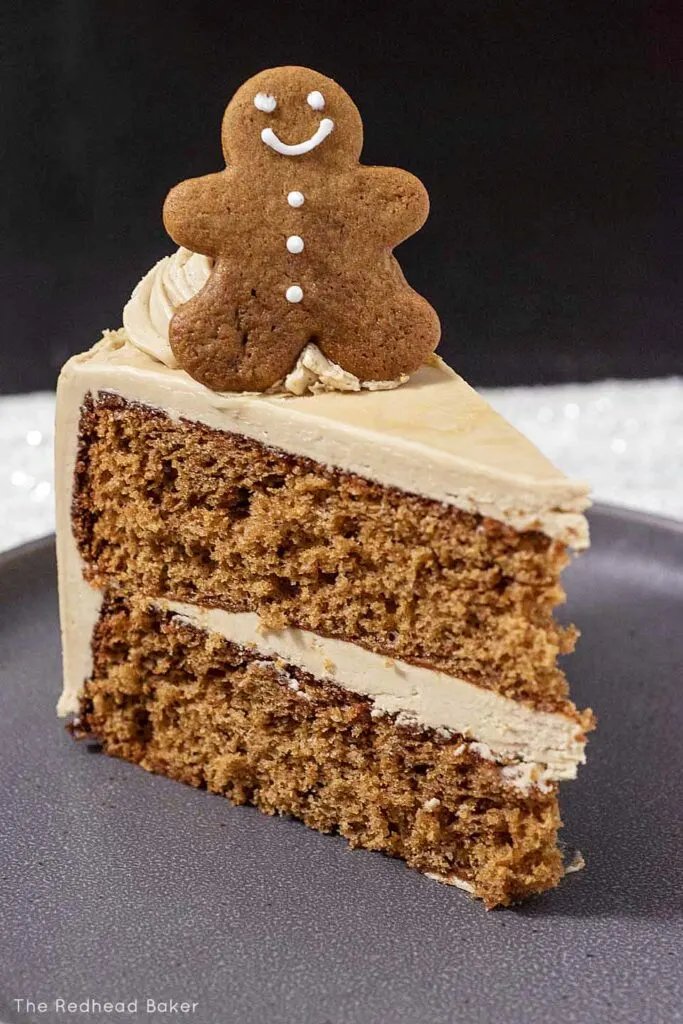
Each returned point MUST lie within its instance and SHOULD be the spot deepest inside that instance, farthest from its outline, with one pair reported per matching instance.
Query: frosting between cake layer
(176, 279)
(435, 436)
(503, 728)
(544, 746)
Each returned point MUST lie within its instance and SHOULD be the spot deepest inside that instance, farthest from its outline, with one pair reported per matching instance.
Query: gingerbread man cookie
(301, 236)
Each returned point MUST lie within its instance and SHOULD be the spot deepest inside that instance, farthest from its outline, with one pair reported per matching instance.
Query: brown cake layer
(192, 706)
(179, 510)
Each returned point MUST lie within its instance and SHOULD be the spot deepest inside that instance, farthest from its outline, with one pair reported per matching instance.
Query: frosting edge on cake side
(79, 603)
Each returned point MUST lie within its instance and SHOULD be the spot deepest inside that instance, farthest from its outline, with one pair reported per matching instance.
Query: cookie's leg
(383, 333)
(225, 338)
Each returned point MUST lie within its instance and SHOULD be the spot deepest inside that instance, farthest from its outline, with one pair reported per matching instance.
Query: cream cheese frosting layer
(176, 279)
(502, 728)
(435, 436)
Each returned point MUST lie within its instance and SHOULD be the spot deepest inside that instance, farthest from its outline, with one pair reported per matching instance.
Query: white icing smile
(298, 149)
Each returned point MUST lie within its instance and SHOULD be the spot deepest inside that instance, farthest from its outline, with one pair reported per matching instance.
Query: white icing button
(263, 101)
(294, 293)
(316, 100)
(295, 243)
(295, 199)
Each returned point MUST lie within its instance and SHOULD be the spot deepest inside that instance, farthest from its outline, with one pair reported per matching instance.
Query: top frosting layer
(176, 279)
(435, 436)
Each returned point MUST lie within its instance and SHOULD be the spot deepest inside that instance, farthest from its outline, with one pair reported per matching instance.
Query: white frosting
(295, 244)
(315, 373)
(575, 863)
(316, 100)
(295, 198)
(265, 102)
(525, 775)
(482, 750)
(177, 278)
(325, 127)
(459, 883)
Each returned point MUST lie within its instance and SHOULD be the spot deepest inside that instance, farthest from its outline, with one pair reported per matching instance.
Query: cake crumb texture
(181, 511)
(192, 706)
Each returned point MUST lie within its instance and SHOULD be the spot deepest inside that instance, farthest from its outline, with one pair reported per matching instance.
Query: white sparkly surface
(624, 437)
(26, 467)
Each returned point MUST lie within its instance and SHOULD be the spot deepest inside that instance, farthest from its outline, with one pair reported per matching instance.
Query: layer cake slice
(338, 606)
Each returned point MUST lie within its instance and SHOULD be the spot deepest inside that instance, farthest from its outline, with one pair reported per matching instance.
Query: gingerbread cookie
(301, 236)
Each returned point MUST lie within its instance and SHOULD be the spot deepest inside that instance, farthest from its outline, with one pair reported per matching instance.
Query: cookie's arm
(397, 200)
(195, 212)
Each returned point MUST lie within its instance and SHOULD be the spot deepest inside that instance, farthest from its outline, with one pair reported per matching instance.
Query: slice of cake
(302, 563)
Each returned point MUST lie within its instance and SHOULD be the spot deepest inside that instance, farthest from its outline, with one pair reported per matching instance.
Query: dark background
(543, 131)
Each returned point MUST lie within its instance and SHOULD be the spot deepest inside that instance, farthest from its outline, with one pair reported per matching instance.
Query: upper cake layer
(435, 436)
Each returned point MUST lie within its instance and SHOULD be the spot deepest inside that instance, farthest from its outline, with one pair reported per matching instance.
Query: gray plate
(119, 885)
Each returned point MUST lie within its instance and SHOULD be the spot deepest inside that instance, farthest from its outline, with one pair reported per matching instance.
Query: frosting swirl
(176, 279)
(170, 282)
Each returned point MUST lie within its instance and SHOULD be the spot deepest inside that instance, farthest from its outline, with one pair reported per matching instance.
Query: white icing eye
(316, 100)
(263, 101)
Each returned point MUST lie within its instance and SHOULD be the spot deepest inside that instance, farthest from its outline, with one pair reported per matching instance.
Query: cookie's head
(292, 115)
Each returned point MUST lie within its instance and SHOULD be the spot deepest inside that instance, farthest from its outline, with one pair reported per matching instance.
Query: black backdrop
(543, 131)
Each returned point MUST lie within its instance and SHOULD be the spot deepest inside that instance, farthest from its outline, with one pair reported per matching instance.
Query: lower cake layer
(191, 705)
